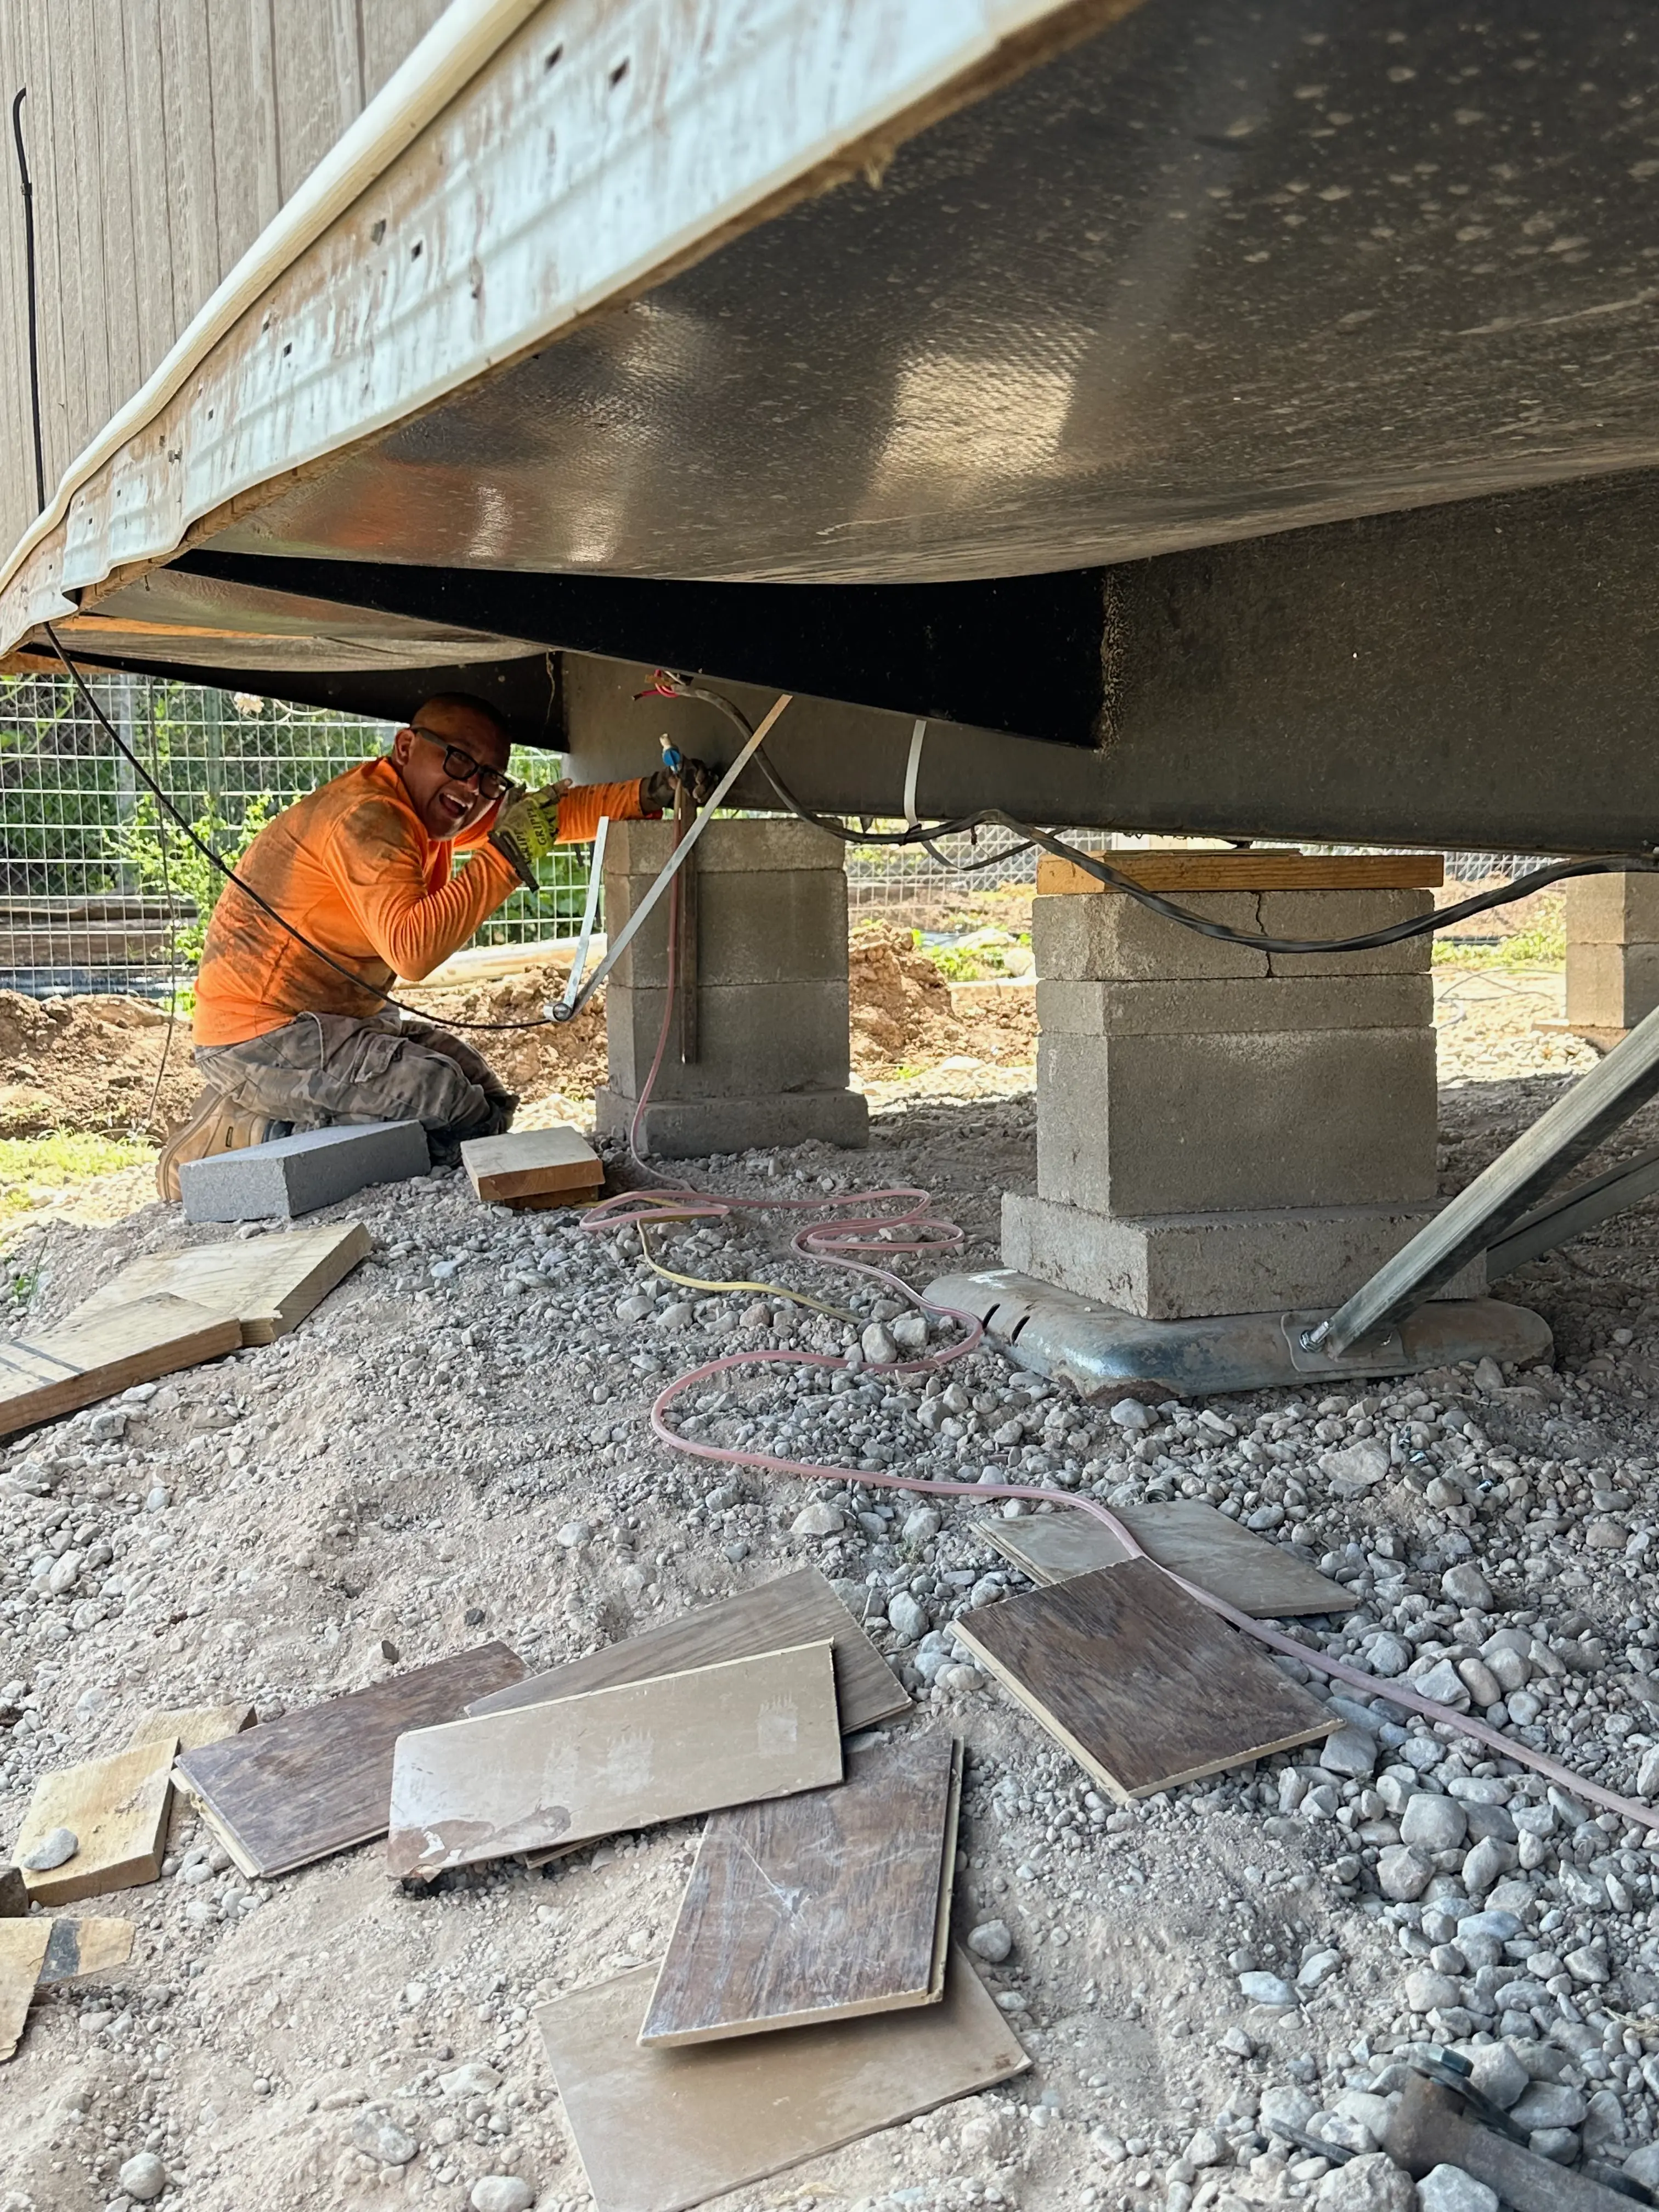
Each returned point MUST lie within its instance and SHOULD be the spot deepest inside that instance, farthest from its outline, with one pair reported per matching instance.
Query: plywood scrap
(117, 1810)
(75, 1948)
(268, 1283)
(1267, 1581)
(820, 1906)
(23, 1950)
(192, 1726)
(796, 1609)
(45, 1377)
(623, 1758)
(661, 2131)
(318, 1781)
(533, 1167)
(1141, 1683)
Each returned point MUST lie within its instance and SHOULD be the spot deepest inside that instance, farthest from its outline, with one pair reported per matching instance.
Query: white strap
(595, 879)
(910, 773)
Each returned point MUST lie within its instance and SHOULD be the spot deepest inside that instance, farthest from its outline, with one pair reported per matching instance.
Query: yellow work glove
(527, 828)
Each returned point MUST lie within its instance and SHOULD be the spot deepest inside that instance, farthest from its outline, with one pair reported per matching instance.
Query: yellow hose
(766, 1289)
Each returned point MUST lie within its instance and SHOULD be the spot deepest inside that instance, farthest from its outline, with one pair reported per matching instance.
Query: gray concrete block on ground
(778, 925)
(1138, 1125)
(1619, 910)
(1181, 1266)
(692, 1128)
(1611, 987)
(1089, 937)
(739, 847)
(296, 1175)
(1346, 914)
(752, 1039)
(1237, 1006)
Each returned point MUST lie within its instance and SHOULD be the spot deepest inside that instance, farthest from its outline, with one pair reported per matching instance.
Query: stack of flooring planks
(173, 1310)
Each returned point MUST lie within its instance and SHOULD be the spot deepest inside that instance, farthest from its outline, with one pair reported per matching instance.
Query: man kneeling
(287, 1039)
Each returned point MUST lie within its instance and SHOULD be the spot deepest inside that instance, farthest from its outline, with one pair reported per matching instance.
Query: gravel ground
(454, 1446)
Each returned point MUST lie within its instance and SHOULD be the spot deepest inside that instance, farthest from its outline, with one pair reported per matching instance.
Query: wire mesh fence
(98, 892)
(95, 897)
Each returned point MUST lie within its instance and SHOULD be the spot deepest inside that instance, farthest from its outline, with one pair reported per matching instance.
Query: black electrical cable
(1397, 932)
(29, 276)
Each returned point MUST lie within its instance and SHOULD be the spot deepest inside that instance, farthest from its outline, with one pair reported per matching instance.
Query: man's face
(439, 755)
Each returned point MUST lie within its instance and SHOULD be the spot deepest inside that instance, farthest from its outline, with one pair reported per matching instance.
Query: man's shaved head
(445, 711)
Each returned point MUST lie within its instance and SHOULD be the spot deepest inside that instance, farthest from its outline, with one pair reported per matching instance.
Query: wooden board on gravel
(116, 1808)
(661, 2131)
(1265, 1580)
(867, 1867)
(45, 1377)
(1264, 870)
(269, 1283)
(88, 1946)
(1141, 1683)
(577, 1768)
(533, 1167)
(193, 1725)
(796, 1609)
(319, 1780)
(22, 1950)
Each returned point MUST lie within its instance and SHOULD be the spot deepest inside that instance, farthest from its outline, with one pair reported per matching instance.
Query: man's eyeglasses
(464, 768)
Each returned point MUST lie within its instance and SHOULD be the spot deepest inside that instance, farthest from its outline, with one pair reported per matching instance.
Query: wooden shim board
(797, 1609)
(1144, 1686)
(118, 1806)
(623, 1758)
(22, 1949)
(269, 1283)
(662, 2130)
(819, 1906)
(193, 1725)
(318, 1781)
(1253, 1576)
(43, 1378)
(531, 1163)
(1266, 871)
(77, 1948)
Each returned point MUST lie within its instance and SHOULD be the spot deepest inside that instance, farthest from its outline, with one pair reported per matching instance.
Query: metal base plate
(1101, 1351)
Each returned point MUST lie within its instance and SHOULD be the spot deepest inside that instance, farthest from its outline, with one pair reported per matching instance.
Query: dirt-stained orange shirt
(353, 868)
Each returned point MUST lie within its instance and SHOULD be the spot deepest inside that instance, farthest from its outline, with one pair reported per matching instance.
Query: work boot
(212, 1126)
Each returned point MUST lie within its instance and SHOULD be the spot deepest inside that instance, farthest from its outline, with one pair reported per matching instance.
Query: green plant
(182, 868)
(32, 1168)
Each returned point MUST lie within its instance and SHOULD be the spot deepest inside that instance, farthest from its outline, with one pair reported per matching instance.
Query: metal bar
(1477, 1216)
(1576, 1211)
(595, 879)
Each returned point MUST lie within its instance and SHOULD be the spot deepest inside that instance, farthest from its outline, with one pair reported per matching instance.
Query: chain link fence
(100, 892)
(95, 897)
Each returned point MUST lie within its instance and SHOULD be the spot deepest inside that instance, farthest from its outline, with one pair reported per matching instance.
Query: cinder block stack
(1221, 1130)
(773, 1064)
(1612, 951)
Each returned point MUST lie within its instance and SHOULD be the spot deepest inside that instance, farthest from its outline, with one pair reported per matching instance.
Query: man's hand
(657, 790)
(527, 828)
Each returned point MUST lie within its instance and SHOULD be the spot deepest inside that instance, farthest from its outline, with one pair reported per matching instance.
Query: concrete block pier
(771, 1063)
(1612, 951)
(1220, 1130)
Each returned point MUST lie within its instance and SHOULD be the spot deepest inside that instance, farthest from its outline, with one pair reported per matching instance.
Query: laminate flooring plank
(662, 2130)
(1144, 1687)
(116, 1808)
(531, 1167)
(818, 1906)
(319, 1780)
(607, 1759)
(269, 1283)
(797, 1609)
(23, 1947)
(78, 1947)
(1265, 1580)
(44, 1377)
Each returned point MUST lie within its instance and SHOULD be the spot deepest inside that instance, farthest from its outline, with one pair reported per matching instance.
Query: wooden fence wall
(162, 136)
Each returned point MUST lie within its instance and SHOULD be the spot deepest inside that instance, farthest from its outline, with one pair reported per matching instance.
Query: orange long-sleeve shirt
(353, 868)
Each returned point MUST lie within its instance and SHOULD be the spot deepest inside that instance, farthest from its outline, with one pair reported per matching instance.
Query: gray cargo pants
(324, 1068)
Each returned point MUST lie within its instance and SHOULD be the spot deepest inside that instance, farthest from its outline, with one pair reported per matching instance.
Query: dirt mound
(569, 1057)
(89, 1065)
(900, 1003)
